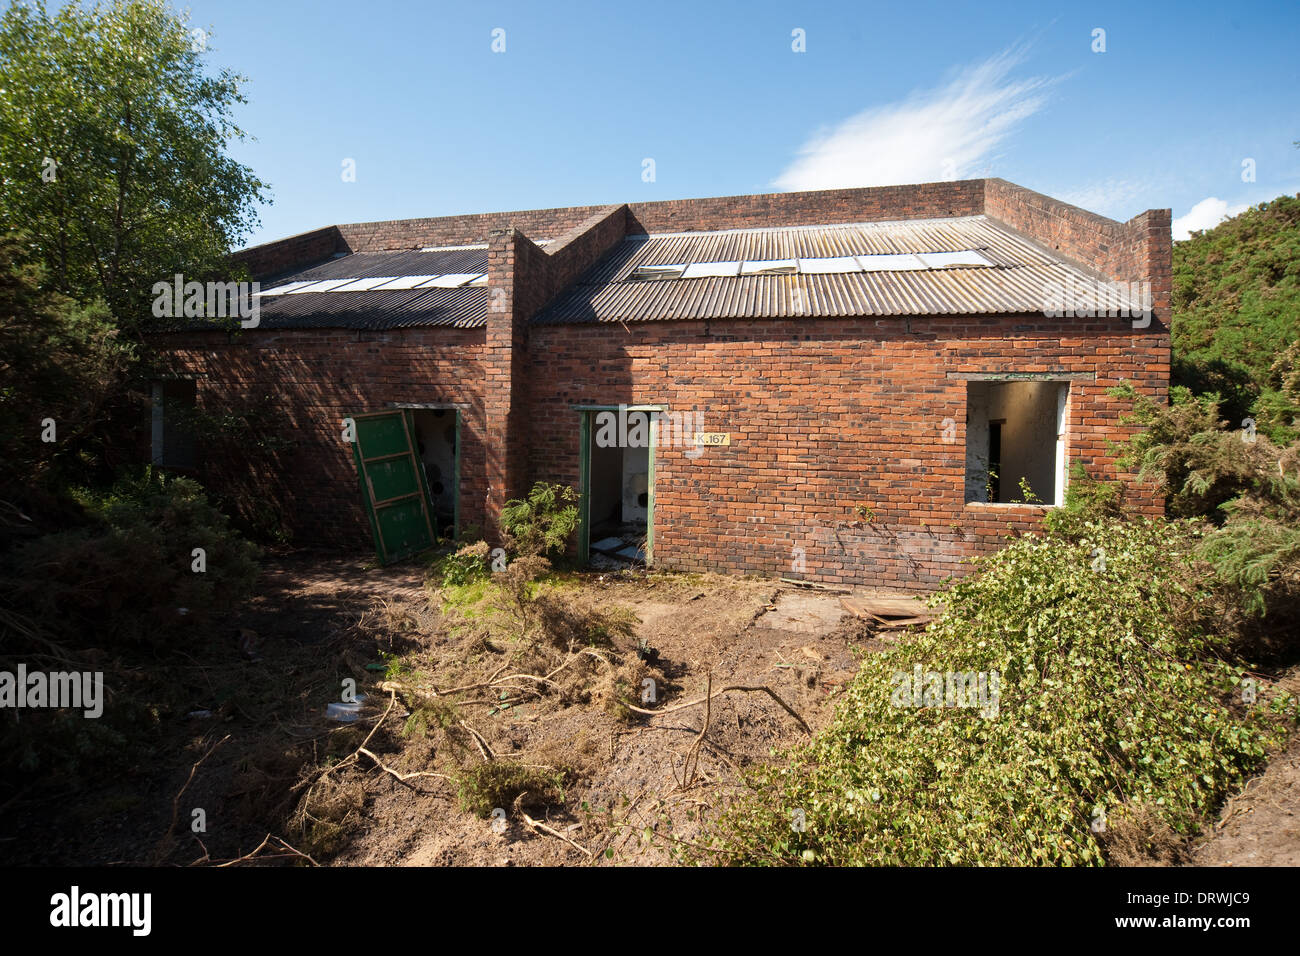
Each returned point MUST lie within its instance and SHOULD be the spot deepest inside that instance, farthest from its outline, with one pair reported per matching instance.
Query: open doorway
(172, 435)
(437, 436)
(1015, 441)
(617, 480)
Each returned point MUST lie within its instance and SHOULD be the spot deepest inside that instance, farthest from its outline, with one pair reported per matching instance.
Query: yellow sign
(713, 438)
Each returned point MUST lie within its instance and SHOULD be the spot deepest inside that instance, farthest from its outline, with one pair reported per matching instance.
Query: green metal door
(393, 486)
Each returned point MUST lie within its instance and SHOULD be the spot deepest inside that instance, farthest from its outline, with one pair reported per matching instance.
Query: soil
(1260, 825)
(632, 807)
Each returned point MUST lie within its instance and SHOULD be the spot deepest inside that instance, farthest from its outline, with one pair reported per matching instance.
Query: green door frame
(455, 493)
(585, 413)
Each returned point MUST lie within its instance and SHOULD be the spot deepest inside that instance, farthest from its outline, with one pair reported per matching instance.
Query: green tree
(59, 364)
(1236, 310)
(112, 150)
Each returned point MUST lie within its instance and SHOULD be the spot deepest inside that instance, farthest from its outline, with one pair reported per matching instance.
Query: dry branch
(165, 843)
(402, 777)
(483, 747)
(249, 856)
(692, 762)
(543, 828)
(734, 687)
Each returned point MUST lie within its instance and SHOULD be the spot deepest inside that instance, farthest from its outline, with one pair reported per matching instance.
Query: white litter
(345, 712)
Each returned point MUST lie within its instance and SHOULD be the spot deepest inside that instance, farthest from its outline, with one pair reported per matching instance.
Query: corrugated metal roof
(377, 309)
(384, 308)
(1023, 277)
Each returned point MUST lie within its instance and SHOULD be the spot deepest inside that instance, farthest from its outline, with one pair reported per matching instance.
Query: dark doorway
(437, 435)
(618, 487)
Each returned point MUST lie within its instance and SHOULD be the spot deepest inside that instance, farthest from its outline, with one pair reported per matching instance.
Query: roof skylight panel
(701, 270)
(286, 288)
(769, 267)
(452, 280)
(829, 264)
(947, 260)
(655, 273)
(363, 285)
(891, 262)
(325, 285)
(404, 282)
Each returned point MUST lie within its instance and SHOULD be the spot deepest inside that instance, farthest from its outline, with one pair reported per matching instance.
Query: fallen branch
(692, 761)
(165, 842)
(403, 777)
(543, 828)
(483, 747)
(249, 856)
(586, 651)
(350, 758)
(510, 677)
(734, 687)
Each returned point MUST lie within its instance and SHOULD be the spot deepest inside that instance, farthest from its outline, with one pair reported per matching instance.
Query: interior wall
(977, 440)
(435, 431)
(606, 483)
(1030, 414)
(636, 484)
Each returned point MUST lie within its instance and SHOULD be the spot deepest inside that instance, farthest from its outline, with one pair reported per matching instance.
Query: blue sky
(437, 123)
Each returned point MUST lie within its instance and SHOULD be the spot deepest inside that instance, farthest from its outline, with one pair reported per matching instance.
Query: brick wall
(1138, 250)
(309, 381)
(296, 252)
(819, 207)
(522, 278)
(826, 415)
(930, 200)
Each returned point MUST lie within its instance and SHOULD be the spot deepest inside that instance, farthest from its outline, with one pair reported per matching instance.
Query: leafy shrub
(544, 522)
(1245, 485)
(129, 576)
(1236, 306)
(1087, 499)
(464, 566)
(1107, 698)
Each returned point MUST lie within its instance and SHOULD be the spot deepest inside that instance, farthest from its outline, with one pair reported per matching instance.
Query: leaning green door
(392, 484)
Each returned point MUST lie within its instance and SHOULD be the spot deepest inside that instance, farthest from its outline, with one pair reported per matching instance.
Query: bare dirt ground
(1260, 825)
(636, 800)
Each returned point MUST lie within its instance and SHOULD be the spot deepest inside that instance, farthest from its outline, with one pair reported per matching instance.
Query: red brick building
(847, 385)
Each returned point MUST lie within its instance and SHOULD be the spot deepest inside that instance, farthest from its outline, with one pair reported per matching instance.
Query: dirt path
(1260, 826)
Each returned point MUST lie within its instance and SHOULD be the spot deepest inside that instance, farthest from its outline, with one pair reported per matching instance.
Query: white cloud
(932, 135)
(1206, 214)
(1116, 198)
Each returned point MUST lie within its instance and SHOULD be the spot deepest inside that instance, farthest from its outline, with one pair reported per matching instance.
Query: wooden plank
(904, 622)
(885, 607)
